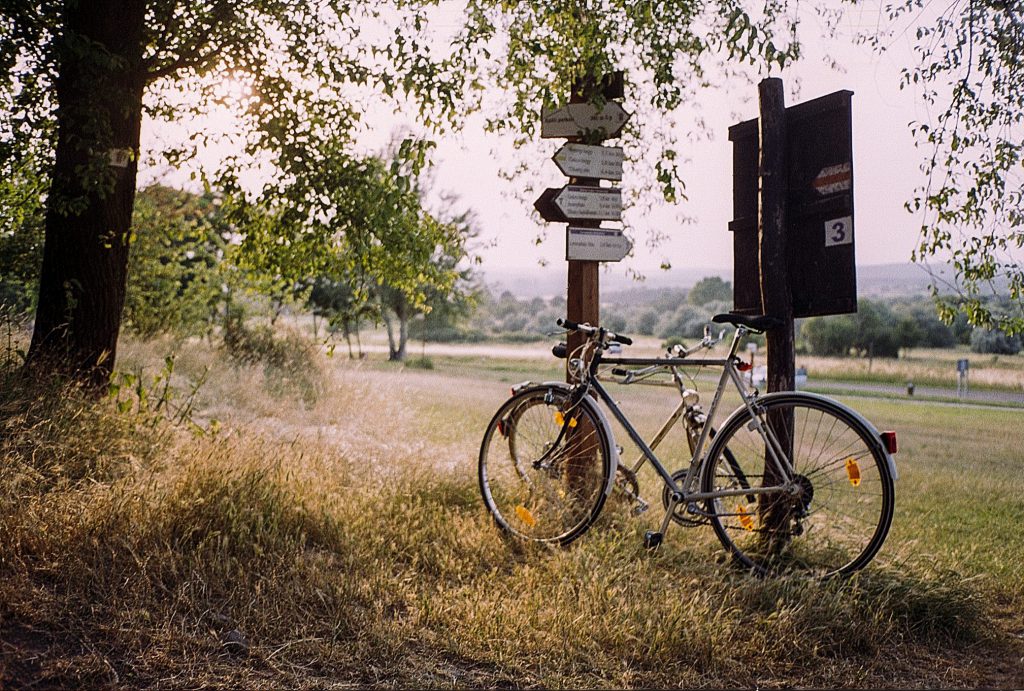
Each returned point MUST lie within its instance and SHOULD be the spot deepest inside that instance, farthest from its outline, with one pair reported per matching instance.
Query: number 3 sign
(839, 231)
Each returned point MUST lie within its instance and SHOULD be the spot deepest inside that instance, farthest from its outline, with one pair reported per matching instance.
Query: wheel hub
(804, 493)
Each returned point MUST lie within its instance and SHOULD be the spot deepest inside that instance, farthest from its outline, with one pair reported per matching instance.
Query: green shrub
(996, 342)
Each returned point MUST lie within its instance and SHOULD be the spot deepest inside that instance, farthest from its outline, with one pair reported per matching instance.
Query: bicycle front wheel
(539, 483)
(836, 512)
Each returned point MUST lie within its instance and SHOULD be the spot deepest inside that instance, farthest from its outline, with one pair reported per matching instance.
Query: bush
(874, 331)
(290, 364)
(995, 342)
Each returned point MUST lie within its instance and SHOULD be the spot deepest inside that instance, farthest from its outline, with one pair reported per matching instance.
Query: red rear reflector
(889, 441)
(744, 366)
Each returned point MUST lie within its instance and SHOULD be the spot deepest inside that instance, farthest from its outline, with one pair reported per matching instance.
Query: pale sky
(886, 171)
(886, 166)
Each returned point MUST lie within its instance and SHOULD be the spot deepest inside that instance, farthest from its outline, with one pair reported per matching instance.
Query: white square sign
(839, 231)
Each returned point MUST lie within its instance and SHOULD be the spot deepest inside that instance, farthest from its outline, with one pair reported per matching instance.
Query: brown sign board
(819, 209)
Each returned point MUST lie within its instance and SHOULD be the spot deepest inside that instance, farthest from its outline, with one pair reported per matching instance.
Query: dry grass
(343, 543)
(934, 367)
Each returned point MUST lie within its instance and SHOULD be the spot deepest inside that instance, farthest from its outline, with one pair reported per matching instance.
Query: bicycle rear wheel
(538, 483)
(839, 511)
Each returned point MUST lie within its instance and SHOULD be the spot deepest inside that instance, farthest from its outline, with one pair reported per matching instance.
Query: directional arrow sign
(585, 161)
(832, 179)
(574, 203)
(596, 245)
(576, 119)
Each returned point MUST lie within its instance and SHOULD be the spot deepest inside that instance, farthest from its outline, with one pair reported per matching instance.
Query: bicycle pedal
(652, 539)
(641, 507)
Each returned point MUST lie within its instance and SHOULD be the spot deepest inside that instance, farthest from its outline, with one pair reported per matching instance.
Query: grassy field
(325, 531)
(923, 366)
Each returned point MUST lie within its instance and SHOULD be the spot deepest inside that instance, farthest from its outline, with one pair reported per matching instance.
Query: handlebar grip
(619, 371)
(559, 350)
(624, 340)
(566, 324)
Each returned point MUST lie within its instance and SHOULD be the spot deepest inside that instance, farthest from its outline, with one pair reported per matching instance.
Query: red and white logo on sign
(834, 179)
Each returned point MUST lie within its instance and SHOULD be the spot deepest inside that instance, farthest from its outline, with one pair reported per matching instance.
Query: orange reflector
(853, 471)
(746, 520)
(744, 366)
(889, 441)
(560, 419)
(525, 516)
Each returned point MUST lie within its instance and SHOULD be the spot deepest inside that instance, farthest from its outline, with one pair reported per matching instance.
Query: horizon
(873, 280)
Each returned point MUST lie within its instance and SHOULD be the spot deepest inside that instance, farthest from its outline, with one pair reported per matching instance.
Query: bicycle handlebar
(588, 329)
(707, 342)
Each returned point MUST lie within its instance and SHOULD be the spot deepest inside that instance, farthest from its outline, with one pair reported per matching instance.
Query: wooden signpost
(583, 202)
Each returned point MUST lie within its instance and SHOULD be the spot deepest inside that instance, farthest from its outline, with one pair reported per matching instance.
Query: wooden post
(776, 297)
(582, 305)
(582, 285)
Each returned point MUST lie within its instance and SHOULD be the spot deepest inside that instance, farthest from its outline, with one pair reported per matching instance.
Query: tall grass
(344, 543)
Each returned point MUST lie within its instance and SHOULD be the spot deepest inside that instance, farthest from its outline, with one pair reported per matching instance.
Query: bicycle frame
(681, 493)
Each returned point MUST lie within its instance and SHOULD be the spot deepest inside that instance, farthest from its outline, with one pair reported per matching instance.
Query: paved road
(920, 392)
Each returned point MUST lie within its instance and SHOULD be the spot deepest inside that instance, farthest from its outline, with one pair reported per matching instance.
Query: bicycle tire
(841, 512)
(534, 490)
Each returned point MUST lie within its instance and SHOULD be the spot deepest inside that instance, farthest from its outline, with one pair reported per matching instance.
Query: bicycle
(791, 480)
(688, 411)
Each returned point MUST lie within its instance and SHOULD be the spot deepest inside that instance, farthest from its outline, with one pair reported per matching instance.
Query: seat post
(741, 331)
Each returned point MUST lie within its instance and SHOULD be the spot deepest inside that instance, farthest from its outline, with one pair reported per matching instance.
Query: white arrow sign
(590, 203)
(596, 245)
(575, 119)
(585, 161)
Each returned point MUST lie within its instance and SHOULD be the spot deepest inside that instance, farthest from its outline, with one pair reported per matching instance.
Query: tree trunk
(776, 297)
(397, 347)
(347, 331)
(392, 345)
(403, 331)
(85, 257)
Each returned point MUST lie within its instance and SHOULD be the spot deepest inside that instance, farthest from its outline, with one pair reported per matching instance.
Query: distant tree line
(879, 328)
